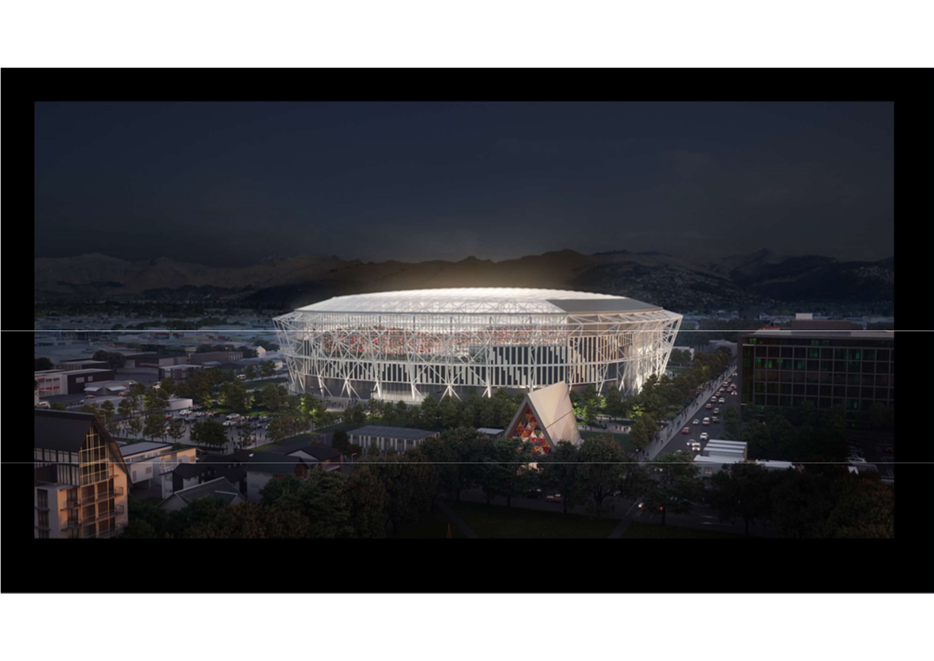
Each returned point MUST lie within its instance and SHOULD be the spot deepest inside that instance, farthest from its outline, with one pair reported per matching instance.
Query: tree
(802, 502)
(167, 386)
(457, 454)
(674, 486)
(506, 471)
(321, 497)
(267, 368)
(250, 373)
(43, 363)
(602, 458)
(209, 432)
(449, 412)
(154, 426)
(251, 521)
(429, 412)
(176, 429)
(642, 431)
(272, 397)
(743, 491)
(135, 426)
(561, 471)
(107, 412)
(139, 529)
(340, 440)
(732, 422)
(356, 415)
(614, 403)
(234, 395)
(368, 500)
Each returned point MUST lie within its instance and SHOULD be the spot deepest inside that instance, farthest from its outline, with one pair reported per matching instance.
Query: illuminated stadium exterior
(407, 344)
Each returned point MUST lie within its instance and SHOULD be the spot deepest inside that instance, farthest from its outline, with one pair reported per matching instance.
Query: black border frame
(905, 564)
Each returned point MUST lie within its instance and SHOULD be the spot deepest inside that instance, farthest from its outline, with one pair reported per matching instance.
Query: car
(534, 493)
(696, 422)
(704, 436)
(553, 498)
(709, 406)
(695, 446)
(853, 459)
(714, 419)
(716, 410)
(722, 400)
(706, 422)
(686, 430)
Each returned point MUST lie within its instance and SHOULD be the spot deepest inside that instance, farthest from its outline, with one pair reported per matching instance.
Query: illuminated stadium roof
(481, 300)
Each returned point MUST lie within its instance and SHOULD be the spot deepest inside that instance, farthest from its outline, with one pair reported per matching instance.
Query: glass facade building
(853, 369)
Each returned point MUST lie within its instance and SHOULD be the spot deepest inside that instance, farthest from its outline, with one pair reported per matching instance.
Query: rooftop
(828, 334)
(404, 433)
(217, 488)
(144, 446)
(60, 430)
(481, 300)
(319, 451)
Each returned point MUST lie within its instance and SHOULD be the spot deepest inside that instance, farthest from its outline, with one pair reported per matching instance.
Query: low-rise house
(261, 467)
(398, 439)
(217, 488)
(210, 467)
(318, 455)
(149, 462)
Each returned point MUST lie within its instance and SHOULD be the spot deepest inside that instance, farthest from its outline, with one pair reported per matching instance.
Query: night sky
(231, 183)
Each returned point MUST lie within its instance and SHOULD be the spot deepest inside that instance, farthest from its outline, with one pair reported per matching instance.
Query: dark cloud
(232, 183)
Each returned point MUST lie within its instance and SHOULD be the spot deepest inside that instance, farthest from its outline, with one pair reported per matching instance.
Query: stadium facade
(407, 344)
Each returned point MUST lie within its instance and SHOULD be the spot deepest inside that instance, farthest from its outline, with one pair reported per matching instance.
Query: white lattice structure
(406, 344)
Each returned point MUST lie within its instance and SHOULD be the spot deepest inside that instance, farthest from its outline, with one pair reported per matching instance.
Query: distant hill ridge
(654, 276)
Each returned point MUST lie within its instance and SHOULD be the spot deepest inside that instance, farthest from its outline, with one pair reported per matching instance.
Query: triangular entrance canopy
(545, 418)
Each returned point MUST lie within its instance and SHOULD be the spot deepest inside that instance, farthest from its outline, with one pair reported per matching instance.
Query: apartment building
(81, 479)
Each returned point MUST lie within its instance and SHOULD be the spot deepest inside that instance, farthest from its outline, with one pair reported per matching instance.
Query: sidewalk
(669, 432)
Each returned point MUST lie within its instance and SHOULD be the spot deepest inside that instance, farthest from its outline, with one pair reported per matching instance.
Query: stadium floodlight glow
(447, 342)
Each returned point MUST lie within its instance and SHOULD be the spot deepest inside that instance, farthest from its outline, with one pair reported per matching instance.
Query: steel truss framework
(447, 347)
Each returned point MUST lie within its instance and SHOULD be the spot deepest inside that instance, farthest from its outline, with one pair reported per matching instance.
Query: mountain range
(761, 278)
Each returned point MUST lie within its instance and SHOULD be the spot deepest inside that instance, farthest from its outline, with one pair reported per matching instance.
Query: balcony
(113, 493)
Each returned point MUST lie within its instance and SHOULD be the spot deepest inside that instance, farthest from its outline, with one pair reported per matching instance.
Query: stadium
(407, 344)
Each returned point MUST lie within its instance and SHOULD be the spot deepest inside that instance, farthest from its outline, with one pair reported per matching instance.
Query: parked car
(534, 493)
(553, 498)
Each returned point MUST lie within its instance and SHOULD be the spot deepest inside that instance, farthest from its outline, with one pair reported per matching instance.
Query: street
(671, 439)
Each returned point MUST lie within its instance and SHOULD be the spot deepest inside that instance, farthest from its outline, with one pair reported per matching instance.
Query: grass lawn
(637, 530)
(262, 383)
(499, 521)
(431, 526)
(622, 439)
